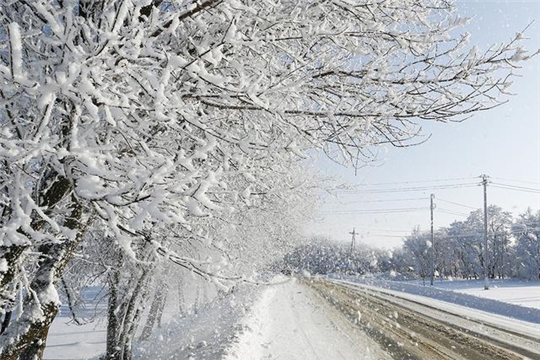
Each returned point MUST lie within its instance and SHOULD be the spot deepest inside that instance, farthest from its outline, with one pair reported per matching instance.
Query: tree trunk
(5, 322)
(129, 326)
(181, 299)
(42, 298)
(162, 306)
(156, 310)
(113, 326)
(124, 314)
(27, 336)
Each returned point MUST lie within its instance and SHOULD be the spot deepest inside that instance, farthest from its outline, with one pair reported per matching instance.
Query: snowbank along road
(411, 330)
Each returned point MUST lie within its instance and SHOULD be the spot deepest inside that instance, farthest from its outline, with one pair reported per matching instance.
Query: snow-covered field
(287, 321)
(69, 341)
(512, 298)
(522, 293)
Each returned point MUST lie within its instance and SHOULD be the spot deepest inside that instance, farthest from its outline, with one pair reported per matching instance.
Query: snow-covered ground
(518, 292)
(291, 321)
(69, 341)
(201, 333)
(512, 298)
(504, 315)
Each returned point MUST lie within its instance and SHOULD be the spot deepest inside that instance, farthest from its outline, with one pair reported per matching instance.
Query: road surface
(411, 330)
(319, 319)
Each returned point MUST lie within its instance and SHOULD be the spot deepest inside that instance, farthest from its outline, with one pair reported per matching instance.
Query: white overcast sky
(503, 143)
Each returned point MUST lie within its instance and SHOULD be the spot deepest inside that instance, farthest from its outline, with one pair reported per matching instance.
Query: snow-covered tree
(499, 236)
(418, 244)
(527, 247)
(465, 239)
(459, 248)
(127, 114)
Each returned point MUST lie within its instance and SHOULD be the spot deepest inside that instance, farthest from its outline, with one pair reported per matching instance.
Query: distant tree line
(458, 251)
(322, 256)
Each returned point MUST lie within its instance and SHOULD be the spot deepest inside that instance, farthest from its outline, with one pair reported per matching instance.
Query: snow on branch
(16, 51)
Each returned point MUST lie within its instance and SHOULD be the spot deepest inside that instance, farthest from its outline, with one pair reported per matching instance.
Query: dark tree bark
(31, 341)
(126, 303)
(113, 322)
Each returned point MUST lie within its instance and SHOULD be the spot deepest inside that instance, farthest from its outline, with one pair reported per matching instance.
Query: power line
(383, 235)
(515, 187)
(451, 212)
(455, 203)
(430, 187)
(510, 188)
(518, 181)
(385, 230)
(478, 236)
(385, 200)
(417, 181)
(407, 189)
(372, 211)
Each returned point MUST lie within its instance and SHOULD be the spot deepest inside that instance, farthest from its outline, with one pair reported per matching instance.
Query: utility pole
(432, 249)
(353, 241)
(486, 261)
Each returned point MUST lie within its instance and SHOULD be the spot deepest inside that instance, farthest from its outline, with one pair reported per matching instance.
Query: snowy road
(319, 319)
(412, 330)
(293, 322)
